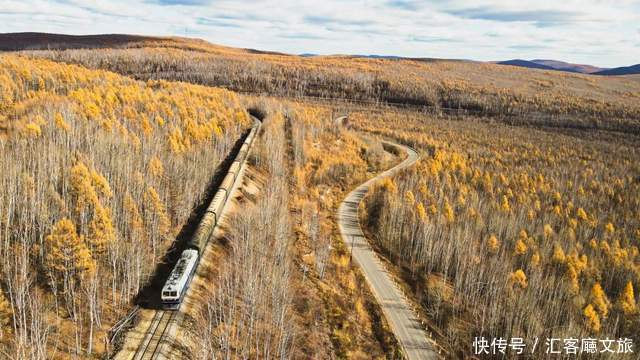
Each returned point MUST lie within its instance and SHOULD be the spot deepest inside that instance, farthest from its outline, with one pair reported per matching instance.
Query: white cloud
(586, 31)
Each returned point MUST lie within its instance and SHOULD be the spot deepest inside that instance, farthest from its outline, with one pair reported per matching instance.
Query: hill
(626, 70)
(565, 66)
(526, 64)
(48, 41)
(34, 40)
(553, 97)
(552, 65)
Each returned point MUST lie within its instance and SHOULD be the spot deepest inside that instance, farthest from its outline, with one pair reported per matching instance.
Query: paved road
(402, 319)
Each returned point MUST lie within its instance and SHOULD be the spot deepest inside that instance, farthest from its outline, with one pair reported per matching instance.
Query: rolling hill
(486, 89)
(565, 66)
(34, 40)
(526, 64)
(553, 65)
(626, 70)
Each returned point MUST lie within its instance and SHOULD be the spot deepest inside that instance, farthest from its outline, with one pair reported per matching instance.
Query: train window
(174, 293)
(166, 293)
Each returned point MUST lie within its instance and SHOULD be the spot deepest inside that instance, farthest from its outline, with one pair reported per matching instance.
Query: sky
(597, 32)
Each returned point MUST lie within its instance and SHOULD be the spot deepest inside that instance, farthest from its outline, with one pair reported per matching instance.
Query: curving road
(404, 322)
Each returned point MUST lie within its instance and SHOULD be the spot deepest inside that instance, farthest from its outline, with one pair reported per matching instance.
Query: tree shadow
(149, 296)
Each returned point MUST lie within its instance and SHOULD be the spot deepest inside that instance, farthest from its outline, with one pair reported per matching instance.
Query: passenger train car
(176, 286)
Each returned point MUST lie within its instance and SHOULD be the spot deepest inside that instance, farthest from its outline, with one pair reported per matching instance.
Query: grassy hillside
(481, 88)
(98, 174)
(34, 41)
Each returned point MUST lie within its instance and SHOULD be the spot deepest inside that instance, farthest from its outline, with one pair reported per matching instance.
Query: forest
(508, 93)
(317, 304)
(520, 219)
(507, 232)
(99, 172)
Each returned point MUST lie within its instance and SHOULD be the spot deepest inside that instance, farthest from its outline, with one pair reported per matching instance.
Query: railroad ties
(152, 345)
(155, 338)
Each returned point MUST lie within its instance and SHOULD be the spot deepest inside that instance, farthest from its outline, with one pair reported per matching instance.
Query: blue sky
(598, 32)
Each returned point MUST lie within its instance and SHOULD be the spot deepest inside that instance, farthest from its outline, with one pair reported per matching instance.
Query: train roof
(178, 271)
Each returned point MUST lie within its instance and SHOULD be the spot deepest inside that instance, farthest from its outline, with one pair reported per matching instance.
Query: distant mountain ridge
(526, 64)
(565, 66)
(625, 70)
(556, 65)
(34, 41)
(553, 65)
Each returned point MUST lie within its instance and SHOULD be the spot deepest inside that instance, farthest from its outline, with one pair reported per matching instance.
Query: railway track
(156, 334)
(151, 345)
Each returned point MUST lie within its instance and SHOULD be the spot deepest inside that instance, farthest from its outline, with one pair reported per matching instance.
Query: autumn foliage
(98, 173)
(522, 95)
(517, 213)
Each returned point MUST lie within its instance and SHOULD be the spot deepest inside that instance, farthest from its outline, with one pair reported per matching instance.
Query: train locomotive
(179, 280)
(176, 286)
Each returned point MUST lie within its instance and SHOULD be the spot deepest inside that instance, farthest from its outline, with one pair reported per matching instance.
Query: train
(174, 289)
(176, 286)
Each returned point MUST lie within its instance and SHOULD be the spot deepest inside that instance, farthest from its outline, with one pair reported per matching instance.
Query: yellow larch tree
(518, 278)
(6, 314)
(599, 300)
(100, 184)
(101, 230)
(135, 222)
(604, 247)
(409, 197)
(82, 190)
(32, 130)
(582, 215)
(177, 142)
(61, 123)
(447, 211)
(609, 228)
(592, 320)
(627, 300)
(159, 210)
(389, 185)
(520, 247)
(574, 281)
(558, 254)
(155, 167)
(535, 259)
(159, 120)
(505, 206)
(421, 212)
(66, 253)
(493, 244)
